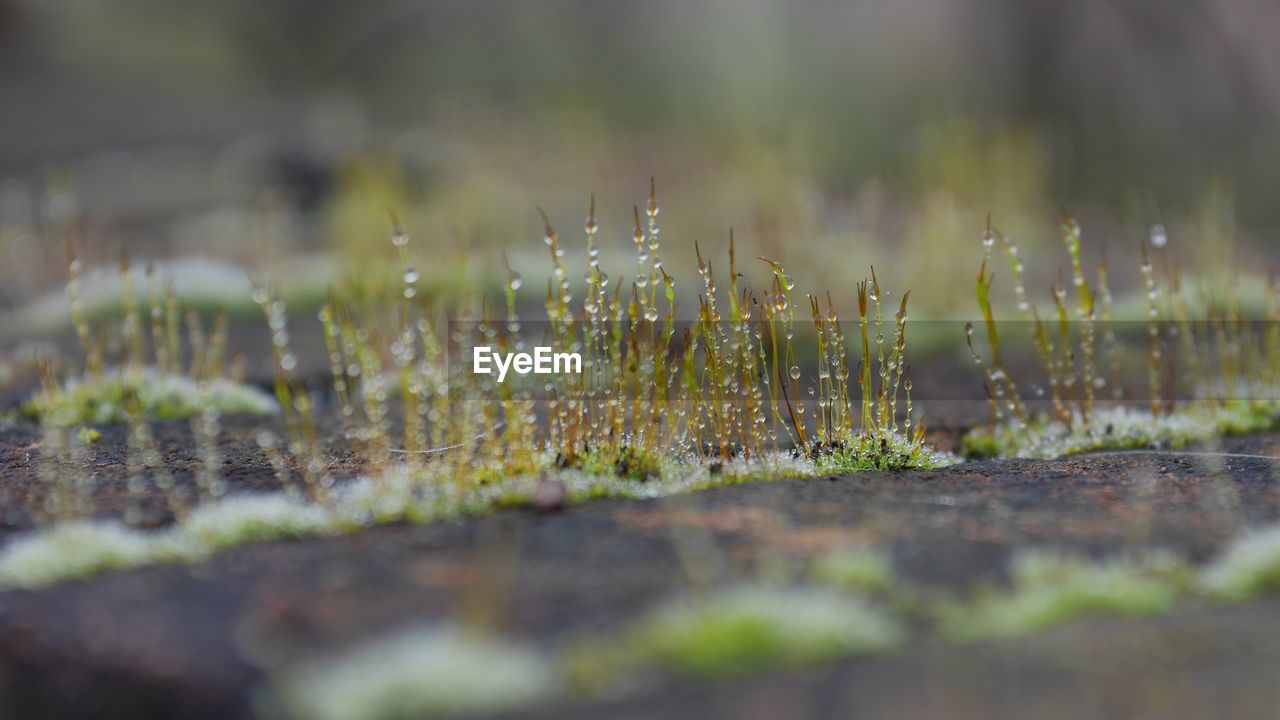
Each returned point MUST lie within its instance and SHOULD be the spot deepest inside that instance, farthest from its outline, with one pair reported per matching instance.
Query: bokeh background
(218, 136)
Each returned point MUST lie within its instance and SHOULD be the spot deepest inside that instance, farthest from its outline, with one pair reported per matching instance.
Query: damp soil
(201, 641)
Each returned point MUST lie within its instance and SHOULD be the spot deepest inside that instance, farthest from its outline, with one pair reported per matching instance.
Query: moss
(206, 285)
(1049, 589)
(78, 549)
(1123, 429)
(163, 396)
(750, 628)
(254, 518)
(424, 672)
(1250, 565)
(625, 461)
(858, 569)
(88, 435)
(400, 494)
(862, 451)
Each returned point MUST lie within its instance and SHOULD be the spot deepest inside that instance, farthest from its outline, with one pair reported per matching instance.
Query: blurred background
(218, 136)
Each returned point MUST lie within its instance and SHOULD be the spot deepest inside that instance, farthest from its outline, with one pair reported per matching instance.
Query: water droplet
(651, 314)
(795, 372)
(515, 281)
(988, 239)
(410, 276)
(1159, 238)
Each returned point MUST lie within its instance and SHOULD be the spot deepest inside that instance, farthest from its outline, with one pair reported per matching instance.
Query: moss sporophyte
(644, 403)
(1210, 369)
(633, 396)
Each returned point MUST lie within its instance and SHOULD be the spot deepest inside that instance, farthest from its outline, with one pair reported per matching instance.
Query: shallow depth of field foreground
(751, 358)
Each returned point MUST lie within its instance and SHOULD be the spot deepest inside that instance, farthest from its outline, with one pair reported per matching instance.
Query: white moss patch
(77, 549)
(1250, 565)
(100, 399)
(1049, 589)
(400, 494)
(198, 282)
(427, 672)
(1121, 428)
(754, 627)
(253, 518)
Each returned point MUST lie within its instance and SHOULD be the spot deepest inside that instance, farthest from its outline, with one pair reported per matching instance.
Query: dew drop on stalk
(651, 314)
(1159, 238)
(988, 238)
(515, 281)
(795, 372)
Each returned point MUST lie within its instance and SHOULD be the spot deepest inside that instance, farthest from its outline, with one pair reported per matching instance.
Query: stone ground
(196, 642)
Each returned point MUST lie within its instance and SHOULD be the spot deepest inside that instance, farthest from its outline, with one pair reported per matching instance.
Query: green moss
(626, 461)
(204, 285)
(254, 518)
(78, 549)
(400, 494)
(1250, 565)
(1123, 429)
(425, 672)
(88, 435)
(859, 569)
(862, 451)
(163, 396)
(1049, 589)
(751, 628)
